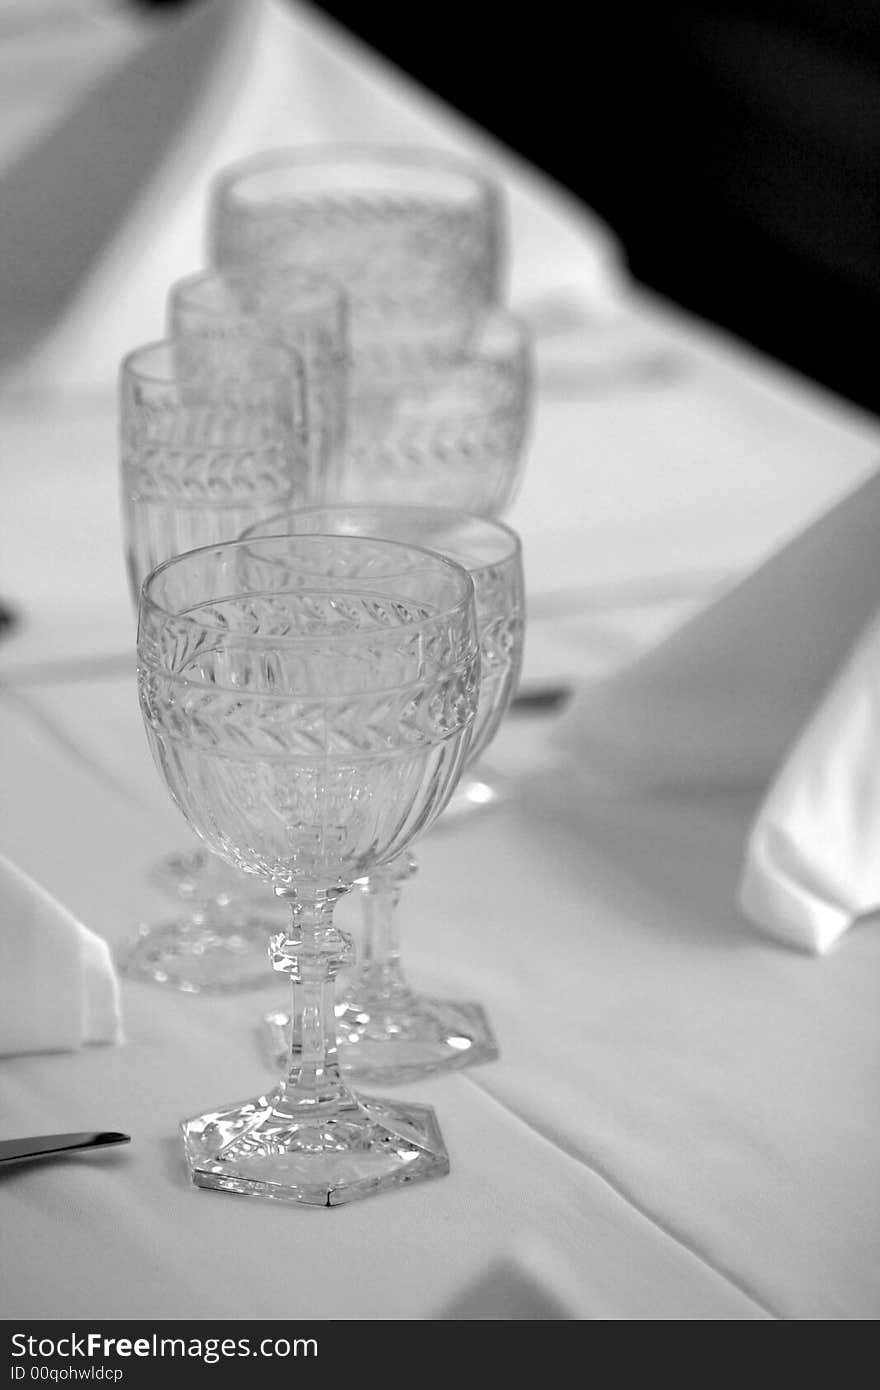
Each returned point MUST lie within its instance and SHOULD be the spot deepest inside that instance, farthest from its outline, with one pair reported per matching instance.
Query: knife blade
(541, 699)
(41, 1145)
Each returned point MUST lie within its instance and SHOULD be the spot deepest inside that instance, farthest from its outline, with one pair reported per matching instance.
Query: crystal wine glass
(414, 236)
(306, 311)
(212, 438)
(309, 313)
(440, 380)
(309, 702)
(388, 1031)
(450, 432)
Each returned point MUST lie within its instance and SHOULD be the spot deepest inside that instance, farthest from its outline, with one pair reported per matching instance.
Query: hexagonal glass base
(358, 1148)
(429, 1035)
(208, 953)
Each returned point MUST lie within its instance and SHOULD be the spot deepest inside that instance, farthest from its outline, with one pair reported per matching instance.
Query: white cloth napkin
(763, 678)
(718, 704)
(106, 210)
(58, 987)
(813, 859)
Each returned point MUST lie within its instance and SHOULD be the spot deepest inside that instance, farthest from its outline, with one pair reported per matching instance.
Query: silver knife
(541, 699)
(41, 1145)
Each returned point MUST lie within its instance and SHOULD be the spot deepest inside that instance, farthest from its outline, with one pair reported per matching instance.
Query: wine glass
(388, 1031)
(414, 236)
(309, 313)
(447, 432)
(293, 306)
(440, 378)
(309, 702)
(212, 437)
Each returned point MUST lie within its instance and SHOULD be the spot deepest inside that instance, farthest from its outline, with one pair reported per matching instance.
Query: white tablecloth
(684, 1118)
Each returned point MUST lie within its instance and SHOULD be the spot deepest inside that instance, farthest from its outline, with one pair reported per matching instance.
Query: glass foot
(431, 1035)
(204, 954)
(364, 1146)
(197, 876)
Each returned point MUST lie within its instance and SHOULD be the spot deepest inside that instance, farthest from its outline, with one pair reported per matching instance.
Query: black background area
(734, 148)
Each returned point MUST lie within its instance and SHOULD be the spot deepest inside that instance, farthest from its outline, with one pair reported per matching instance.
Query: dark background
(733, 147)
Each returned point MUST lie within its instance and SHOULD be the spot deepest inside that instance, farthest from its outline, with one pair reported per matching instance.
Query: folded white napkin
(99, 216)
(813, 858)
(767, 676)
(58, 987)
(718, 704)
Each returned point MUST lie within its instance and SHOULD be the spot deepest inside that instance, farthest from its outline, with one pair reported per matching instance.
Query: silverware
(8, 618)
(41, 1145)
(541, 699)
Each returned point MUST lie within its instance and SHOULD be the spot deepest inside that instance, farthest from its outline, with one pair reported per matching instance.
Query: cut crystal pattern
(415, 239)
(449, 432)
(388, 1032)
(293, 764)
(212, 438)
(450, 256)
(291, 306)
(291, 725)
(367, 1147)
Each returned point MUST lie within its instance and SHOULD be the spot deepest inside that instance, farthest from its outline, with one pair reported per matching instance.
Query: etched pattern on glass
(309, 702)
(414, 237)
(388, 1031)
(451, 433)
(293, 307)
(490, 552)
(204, 457)
(319, 759)
(500, 603)
(449, 438)
(366, 241)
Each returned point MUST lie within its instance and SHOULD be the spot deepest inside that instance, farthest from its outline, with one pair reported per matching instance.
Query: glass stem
(379, 983)
(312, 952)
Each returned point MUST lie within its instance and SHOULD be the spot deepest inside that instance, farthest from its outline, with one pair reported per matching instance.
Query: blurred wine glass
(414, 236)
(387, 1030)
(212, 438)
